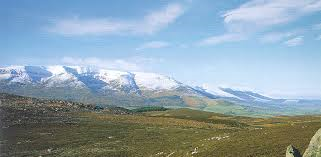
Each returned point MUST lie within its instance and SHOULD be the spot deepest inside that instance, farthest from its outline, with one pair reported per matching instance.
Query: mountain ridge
(123, 88)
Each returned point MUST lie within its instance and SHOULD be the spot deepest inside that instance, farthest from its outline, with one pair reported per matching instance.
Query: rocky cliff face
(313, 150)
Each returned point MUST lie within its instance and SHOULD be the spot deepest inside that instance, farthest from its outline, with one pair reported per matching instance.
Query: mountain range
(132, 89)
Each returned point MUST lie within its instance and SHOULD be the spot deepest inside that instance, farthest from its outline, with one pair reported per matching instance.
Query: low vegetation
(39, 130)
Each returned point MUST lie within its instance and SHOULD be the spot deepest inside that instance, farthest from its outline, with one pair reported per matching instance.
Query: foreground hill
(176, 132)
(135, 89)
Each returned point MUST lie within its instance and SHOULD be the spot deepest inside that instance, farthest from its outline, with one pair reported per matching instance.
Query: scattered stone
(159, 153)
(195, 151)
(170, 154)
(217, 138)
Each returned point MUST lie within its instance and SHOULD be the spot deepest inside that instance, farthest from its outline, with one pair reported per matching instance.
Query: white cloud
(153, 45)
(294, 41)
(75, 26)
(229, 37)
(149, 24)
(160, 19)
(273, 37)
(128, 64)
(319, 37)
(259, 14)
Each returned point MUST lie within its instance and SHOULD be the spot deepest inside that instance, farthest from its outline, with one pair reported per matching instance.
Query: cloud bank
(294, 41)
(258, 15)
(149, 24)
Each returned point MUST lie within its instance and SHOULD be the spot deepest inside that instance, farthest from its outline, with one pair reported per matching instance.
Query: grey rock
(314, 148)
(291, 151)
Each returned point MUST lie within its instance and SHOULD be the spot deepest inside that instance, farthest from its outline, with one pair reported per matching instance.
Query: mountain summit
(86, 77)
(93, 81)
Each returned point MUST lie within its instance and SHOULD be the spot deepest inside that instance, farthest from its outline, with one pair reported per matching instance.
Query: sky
(268, 46)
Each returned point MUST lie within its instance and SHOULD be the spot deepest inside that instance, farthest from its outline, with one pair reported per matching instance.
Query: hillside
(174, 132)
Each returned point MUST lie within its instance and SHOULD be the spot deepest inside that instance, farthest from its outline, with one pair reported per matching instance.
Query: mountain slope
(132, 89)
(86, 77)
(94, 85)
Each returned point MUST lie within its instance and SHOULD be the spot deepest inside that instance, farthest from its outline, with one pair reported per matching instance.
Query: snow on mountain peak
(80, 76)
(16, 74)
(110, 75)
(217, 91)
(56, 69)
(155, 81)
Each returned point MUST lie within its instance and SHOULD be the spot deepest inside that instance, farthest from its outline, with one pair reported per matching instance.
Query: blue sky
(269, 46)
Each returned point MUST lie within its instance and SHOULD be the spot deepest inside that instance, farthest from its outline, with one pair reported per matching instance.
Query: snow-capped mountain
(249, 97)
(218, 91)
(246, 95)
(121, 88)
(104, 81)
(94, 79)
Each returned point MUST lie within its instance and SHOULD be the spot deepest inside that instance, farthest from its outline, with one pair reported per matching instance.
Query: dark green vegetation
(149, 109)
(32, 127)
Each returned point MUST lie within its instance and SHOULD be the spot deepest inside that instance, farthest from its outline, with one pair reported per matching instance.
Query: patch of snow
(259, 99)
(56, 70)
(222, 93)
(18, 74)
(154, 81)
(117, 79)
(64, 80)
(291, 101)
(23, 78)
(5, 76)
(218, 91)
(112, 75)
(16, 68)
(61, 78)
(84, 69)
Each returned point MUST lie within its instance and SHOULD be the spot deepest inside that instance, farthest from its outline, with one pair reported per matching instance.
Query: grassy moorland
(56, 130)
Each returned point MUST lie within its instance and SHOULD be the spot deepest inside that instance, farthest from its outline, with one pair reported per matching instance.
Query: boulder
(291, 151)
(314, 148)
